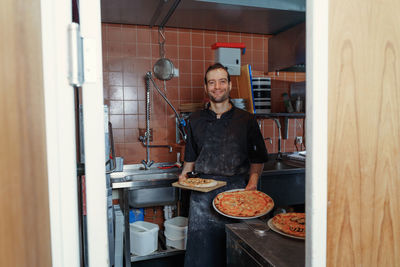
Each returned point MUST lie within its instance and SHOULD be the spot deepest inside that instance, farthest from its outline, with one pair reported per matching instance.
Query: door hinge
(75, 55)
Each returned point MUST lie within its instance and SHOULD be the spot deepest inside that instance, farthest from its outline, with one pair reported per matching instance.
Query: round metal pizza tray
(237, 217)
(273, 228)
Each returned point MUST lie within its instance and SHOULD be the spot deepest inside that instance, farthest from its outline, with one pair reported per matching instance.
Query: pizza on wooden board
(292, 223)
(244, 203)
(198, 182)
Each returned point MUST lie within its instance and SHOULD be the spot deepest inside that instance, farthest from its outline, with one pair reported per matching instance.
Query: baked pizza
(292, 223)
(199, 182)
(243, 203)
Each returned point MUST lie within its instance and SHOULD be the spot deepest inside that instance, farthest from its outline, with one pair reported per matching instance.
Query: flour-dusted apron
(206, 244)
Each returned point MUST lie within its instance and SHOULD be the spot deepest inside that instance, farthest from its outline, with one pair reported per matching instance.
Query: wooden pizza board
(245, 90)
(201, 189)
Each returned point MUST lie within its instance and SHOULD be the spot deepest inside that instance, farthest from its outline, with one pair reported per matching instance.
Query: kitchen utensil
(163, 69)
(192, 174)
(240, 103)
(200, 189)
(259, 227)
(169, 166)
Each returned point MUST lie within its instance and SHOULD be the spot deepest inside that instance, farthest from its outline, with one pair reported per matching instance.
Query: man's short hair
(214, 67)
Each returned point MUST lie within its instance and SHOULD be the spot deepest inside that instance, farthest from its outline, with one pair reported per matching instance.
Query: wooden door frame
(95, 128)
(60, 134)
(317, 14)
(65, 245)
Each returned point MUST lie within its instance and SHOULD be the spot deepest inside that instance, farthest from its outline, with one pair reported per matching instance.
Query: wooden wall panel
(24, 209)
(364, 133)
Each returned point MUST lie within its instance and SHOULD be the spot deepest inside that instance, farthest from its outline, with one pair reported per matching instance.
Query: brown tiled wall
(155, 215)
(129, 51)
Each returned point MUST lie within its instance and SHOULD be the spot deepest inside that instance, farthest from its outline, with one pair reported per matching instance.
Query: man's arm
(254, 175)
(187, 167)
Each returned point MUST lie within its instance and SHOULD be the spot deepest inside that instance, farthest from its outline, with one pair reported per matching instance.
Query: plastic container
(179, 243)
(144, 237)
(176, 228)
(136, 215)
(288, 104)
(299, 104)
(168, 212)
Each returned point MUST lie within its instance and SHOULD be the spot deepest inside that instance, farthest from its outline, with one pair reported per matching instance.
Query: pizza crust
(199, 182)
(290, 223)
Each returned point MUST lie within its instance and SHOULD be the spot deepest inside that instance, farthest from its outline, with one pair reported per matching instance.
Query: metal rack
(279, 115)
(283, 118)
(158, 254)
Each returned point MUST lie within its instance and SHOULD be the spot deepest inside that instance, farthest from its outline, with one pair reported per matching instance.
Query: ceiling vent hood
(247, 16)
(287, 50)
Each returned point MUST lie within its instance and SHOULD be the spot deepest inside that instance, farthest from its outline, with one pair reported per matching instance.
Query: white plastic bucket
(179, 243)
(176, 228)
(144, 237)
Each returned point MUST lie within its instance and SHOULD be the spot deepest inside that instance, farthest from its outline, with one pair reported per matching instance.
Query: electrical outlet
(299, 140)
(176, 72)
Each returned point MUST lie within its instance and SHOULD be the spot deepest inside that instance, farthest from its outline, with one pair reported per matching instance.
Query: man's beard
(221, 99)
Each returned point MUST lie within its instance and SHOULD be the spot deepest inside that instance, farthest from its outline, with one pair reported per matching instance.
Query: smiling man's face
(218, 87)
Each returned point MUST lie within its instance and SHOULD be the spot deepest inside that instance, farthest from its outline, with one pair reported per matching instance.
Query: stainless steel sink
(161, 192)
(285, 164)
(147, 188)
(151, 176)
(149, 197)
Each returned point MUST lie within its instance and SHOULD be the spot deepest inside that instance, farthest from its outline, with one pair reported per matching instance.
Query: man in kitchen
(224, 143)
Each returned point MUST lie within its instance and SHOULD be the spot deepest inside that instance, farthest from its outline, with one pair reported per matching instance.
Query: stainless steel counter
(143, 188)
(135, 177)
(284, 181)
(284, 166)
(133, 183)
(245, 247)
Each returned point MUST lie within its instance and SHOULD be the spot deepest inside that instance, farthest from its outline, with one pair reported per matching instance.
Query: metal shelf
(158, 254)
(283, 118)
(278, 115)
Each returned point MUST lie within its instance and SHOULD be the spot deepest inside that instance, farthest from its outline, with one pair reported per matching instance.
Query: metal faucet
(145, 141)
(181, 120)
(269, 139)
(278, 124)
(146, 138)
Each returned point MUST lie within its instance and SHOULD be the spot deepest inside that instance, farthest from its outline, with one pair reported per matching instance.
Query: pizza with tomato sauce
(292, 223)
(243, 203)
(199, 182)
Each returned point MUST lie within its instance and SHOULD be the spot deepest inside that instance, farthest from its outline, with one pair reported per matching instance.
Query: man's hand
(182, 177)
(255, 172)
(252, 184)
(187, 167)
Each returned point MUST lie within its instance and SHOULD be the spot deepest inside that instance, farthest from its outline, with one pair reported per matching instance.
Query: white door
(60, 129)
(316, 131)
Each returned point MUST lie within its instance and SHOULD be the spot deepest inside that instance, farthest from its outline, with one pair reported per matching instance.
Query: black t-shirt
(225, 146)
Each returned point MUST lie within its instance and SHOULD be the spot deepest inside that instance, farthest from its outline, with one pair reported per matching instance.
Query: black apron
(206, 243)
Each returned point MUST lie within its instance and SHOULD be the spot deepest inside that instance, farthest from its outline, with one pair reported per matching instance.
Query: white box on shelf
(176, 228)
(179, 243)
(230, 58)
(144, 237)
